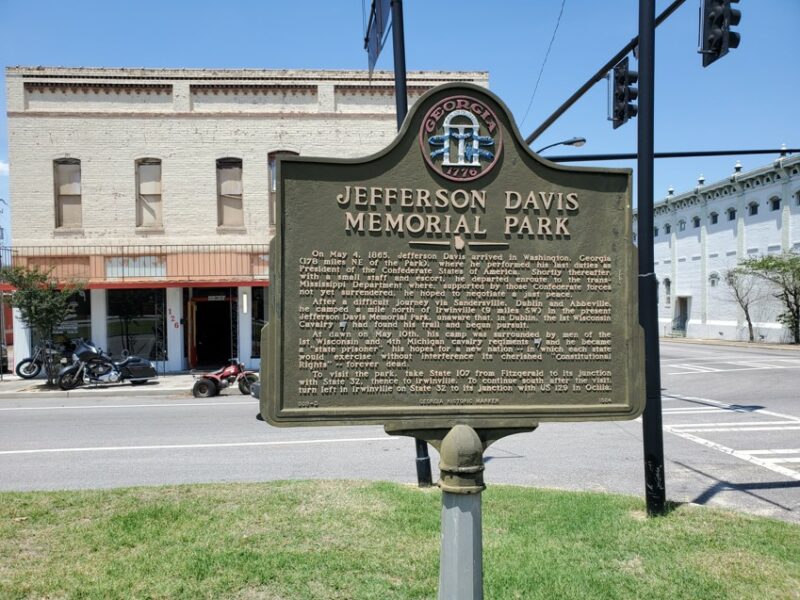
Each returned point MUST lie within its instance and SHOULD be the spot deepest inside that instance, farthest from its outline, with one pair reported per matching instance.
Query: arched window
(714, 217)
(713, 279)
(67, 179)
(775, 203)
(273, 181)
(667, 290)
(148, 193)
(667, 228)
(696, 222)
(731, 212)
(655, 231)
(682, 225)
(752, 209)
(230, 211)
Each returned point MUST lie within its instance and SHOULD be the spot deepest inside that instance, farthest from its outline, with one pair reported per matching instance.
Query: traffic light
(623, 93)
(716, 38)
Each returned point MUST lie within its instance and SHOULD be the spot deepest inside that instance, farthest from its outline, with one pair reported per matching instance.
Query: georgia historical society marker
(454, 277)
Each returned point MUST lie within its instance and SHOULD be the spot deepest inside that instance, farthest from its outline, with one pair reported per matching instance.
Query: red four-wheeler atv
(210, 384)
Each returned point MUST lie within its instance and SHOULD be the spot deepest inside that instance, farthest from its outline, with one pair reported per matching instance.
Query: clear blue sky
(748, 99)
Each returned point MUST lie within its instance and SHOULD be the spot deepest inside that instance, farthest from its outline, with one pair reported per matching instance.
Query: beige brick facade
(108, 119)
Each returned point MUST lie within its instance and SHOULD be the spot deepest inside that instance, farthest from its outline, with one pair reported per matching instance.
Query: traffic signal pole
(652, 432)
(599, 75)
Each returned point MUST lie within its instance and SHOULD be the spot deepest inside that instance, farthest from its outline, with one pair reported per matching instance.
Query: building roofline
(36, 72)
(736, 179)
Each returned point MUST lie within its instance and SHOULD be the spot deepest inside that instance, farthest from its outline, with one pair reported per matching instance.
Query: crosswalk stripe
(698, 368)
(728, 370)
(694, 410)
(727, 450)
(724, 405)
(775, 451)
(701, 429)
(731, 423)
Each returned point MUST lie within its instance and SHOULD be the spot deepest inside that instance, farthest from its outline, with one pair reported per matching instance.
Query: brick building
(703, 232)
(154, 187)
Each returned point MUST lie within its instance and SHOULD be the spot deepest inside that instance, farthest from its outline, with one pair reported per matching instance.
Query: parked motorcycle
(28, 368)
(210, 384)
(92, 365)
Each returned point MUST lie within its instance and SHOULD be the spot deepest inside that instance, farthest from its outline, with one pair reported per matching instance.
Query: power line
(544, 62)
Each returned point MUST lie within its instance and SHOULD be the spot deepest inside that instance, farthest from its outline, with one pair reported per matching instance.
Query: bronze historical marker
(454, 277)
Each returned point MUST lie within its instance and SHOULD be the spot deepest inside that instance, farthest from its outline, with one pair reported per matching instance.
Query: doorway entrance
(212, 326)
(682, 316)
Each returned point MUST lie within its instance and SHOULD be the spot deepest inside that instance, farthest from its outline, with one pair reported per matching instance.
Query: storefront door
(212, 325)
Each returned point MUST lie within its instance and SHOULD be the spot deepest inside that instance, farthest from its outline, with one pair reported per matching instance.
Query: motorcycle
(210, 384)
(28, 368)
(92, 365)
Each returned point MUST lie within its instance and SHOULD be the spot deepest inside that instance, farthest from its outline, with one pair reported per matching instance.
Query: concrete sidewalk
(171, 384)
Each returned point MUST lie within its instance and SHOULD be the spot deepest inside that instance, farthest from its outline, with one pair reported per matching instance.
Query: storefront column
(99, 310)
(245, 327)
(22, 340)
(175, 328)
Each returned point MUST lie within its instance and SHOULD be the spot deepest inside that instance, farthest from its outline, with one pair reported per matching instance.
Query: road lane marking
(728, 424)
(701, 429)
(737, 454)
(195, 446)
(252, 402)
(691, 410)
(728, 370)
(736, 407)
(789, 422)
(697, 368)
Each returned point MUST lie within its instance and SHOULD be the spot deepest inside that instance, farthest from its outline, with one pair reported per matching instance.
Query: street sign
(376, 30)
(453, 277)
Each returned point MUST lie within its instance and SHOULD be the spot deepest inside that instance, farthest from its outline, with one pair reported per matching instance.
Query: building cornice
(201, 75)
(784, 167)
(203, 115)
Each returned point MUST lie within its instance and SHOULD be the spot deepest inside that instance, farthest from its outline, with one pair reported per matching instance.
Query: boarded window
(67, 175)
(148, 193)
(230, 211)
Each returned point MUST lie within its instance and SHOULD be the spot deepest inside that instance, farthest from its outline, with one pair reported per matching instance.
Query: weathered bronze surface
(454, 277)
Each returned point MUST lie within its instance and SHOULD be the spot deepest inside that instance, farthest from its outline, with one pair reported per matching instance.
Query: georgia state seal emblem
(461, 138)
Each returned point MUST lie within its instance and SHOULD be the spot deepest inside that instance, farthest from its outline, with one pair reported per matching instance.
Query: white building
(154, 187)
(702, 233)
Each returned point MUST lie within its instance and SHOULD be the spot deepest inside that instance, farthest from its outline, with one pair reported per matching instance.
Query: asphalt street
(731, 422)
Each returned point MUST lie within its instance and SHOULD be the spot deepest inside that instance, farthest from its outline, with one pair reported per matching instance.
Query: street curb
(30, 394)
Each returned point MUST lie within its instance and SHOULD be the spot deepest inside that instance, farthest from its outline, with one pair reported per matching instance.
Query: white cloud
(3, 168)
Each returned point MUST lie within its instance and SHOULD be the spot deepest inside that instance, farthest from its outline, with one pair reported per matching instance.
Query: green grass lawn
(329, 540)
